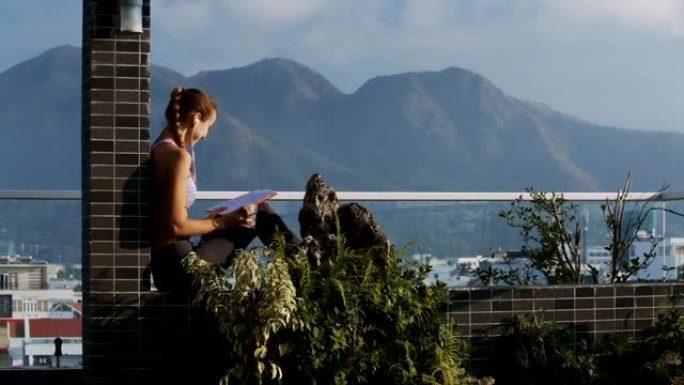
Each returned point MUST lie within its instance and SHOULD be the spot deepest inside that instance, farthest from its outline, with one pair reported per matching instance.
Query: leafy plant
(653, 358)
(256, 305)
(624, 231)
(535, 351)
(347, 321)
(551, 235)
(668, 331)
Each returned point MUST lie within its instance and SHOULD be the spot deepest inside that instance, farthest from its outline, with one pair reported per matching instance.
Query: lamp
(130, 16)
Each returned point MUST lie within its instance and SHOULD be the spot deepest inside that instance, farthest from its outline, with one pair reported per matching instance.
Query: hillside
(279, 121)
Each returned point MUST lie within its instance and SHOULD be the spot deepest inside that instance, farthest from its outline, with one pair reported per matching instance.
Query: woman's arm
(180, 225)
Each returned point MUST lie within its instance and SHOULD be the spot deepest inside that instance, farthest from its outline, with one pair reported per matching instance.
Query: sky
(611, 62)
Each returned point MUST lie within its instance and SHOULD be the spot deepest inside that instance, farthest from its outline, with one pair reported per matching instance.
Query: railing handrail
(35, 194)
(416, 196)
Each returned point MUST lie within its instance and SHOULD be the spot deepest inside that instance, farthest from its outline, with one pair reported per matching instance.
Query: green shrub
(534, 351)
(537, 352)
(348, 321)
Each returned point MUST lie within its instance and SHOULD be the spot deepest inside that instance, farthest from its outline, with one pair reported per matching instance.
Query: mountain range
(279, 121)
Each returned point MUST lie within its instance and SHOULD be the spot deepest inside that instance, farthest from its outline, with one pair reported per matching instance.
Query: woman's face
(201, 128)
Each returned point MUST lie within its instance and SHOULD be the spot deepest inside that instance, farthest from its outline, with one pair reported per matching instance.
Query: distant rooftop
(20, 260)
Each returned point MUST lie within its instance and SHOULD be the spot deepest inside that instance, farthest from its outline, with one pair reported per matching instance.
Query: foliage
(534, 351)
(347, 321)
(256, 305)
(551, 237)
(553, 250)
(654, 358)
(624, 230)
(538, 352)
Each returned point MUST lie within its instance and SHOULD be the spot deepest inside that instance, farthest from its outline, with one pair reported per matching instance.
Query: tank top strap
(160, 142)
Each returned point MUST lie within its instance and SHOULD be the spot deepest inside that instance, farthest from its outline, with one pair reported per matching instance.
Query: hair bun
(176, 93)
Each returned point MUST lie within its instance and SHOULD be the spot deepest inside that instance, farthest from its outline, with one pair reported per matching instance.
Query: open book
(253, 197)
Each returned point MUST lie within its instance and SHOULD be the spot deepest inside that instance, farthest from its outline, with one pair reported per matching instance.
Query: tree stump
(318, 220)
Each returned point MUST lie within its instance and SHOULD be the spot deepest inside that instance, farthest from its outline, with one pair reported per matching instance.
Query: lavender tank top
(190, 186)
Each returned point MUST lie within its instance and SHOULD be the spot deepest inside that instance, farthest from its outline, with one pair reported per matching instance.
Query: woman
(189, 117)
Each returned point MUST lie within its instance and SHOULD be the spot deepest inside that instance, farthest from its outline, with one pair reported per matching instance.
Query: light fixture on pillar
(130, 16)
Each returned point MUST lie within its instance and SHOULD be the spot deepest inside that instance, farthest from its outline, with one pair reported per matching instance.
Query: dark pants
(217, 247)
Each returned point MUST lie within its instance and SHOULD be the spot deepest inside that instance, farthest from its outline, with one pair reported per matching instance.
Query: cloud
(547, 50)
(395, 34)
(182, 18)
(552, 51)
(660, 16)
(269, 13)
(193, 16)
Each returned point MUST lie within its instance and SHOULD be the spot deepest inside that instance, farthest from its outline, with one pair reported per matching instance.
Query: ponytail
(176, 94)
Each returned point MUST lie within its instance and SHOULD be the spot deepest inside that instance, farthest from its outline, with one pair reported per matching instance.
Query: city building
(31, 319)
(668, 263)
(23, 273)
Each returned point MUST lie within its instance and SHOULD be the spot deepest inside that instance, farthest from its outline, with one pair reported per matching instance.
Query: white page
(252, 197)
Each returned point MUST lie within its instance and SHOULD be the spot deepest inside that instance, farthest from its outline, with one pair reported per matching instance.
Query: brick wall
(115, 216)
(592, 311)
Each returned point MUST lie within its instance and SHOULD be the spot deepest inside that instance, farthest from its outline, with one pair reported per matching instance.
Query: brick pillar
(115, 215)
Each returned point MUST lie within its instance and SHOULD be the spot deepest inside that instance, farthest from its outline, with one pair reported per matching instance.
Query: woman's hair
(184, 104)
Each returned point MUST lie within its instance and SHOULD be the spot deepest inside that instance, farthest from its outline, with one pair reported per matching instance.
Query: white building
(668, 263)
(447, 270)
(23, 273)
(44, 303)
(598, 258)
(30, 320)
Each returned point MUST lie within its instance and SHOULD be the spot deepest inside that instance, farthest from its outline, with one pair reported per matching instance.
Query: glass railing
(461, 232)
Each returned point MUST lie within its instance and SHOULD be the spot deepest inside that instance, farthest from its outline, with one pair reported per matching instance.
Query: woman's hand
(242, 217)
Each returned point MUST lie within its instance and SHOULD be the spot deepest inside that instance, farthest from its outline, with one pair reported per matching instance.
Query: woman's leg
(167, 270)
(220, 246)
(269, 225)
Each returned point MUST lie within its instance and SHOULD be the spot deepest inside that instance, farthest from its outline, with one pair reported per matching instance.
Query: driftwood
(318, 220)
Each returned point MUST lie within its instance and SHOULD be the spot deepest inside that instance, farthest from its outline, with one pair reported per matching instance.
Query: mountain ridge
(279, 121)
(451, 129)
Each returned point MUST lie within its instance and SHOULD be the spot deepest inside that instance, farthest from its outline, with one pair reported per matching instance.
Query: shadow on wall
(168, 338)
(134, 222)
